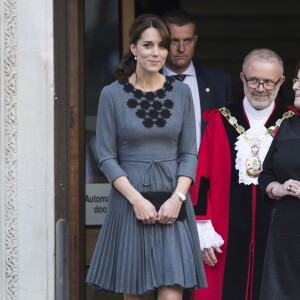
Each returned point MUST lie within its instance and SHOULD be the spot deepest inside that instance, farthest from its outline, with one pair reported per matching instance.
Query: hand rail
(62, 289)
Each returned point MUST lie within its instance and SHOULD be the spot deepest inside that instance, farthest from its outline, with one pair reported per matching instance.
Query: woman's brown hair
(127, 65)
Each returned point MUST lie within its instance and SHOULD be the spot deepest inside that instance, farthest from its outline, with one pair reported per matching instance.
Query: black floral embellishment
(152, 107)
(132, 103)
(169, 103)
(157, 104)
(165, 113)
(169, 84)
(127, 88)
(153, 113)
(148, 123)
(138, 94)
(145, 104)
(161, 94)
(161, 122)
(150, 95)
(141, 113)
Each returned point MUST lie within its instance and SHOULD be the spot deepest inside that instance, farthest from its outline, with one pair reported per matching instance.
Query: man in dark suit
(210, 88)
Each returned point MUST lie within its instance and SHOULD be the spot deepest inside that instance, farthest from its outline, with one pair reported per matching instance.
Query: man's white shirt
(191, 81)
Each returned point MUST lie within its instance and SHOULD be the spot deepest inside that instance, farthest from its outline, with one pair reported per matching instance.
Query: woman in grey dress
(146, 142)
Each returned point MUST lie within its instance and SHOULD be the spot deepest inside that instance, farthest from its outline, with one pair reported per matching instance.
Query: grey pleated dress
(150, 138)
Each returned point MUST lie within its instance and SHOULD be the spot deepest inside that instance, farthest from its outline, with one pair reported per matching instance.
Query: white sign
(96, 202)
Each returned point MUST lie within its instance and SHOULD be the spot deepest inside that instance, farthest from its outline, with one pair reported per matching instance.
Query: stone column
(26, 150)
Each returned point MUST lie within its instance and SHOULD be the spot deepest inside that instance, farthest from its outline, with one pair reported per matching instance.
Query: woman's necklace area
(253, 163)
(154, 85)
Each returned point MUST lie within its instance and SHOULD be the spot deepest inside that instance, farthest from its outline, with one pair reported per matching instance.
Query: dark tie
(179, 77)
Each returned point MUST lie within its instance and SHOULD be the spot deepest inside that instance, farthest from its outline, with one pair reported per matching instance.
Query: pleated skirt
(133, 258)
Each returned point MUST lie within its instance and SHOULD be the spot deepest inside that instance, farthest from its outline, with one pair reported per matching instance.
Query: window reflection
(101, 58)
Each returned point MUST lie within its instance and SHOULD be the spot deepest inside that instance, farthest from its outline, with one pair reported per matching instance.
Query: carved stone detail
(10, 140)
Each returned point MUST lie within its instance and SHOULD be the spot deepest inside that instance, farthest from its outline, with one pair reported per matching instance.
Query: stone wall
(26, 150)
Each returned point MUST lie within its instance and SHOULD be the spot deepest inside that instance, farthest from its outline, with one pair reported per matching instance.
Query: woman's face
(150, 51)
(296, 88)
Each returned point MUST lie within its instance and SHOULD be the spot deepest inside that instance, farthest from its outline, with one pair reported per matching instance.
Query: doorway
(97, 36)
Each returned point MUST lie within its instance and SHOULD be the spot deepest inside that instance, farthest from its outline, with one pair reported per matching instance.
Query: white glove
(207, 235)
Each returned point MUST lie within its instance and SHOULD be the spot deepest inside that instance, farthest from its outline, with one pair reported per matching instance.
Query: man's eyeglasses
(254, 83)
(296, 80)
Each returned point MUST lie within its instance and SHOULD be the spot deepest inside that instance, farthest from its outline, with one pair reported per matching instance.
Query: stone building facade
(26, 150)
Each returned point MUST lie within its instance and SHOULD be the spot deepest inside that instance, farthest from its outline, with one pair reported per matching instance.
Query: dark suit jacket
(216, 89)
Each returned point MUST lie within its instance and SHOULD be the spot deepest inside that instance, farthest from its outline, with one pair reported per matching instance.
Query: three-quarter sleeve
(187, 145)
(107, 136)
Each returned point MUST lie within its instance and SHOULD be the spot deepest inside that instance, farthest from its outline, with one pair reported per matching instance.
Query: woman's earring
(135, 57)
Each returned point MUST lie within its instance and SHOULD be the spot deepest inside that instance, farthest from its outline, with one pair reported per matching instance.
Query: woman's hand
(169, 211)
(291, 187)
(145, 211)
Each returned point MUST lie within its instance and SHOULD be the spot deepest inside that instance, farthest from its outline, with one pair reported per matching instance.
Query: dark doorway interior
(229, 30)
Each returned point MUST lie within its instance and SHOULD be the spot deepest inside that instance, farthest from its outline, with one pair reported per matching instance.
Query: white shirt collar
(190, 71)
(257, 117)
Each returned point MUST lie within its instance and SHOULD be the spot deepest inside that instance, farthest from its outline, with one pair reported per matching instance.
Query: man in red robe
(232, 217)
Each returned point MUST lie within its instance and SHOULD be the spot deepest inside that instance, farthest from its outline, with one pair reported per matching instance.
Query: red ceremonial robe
(237, 211)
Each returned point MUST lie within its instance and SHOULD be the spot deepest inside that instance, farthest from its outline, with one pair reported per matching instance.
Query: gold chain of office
(241, 130)
(253, 162)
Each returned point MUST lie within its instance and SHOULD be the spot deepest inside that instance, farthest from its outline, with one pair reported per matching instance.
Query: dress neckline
(165, 87)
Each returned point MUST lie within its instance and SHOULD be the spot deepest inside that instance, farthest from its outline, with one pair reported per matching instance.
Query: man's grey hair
(264, 55)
